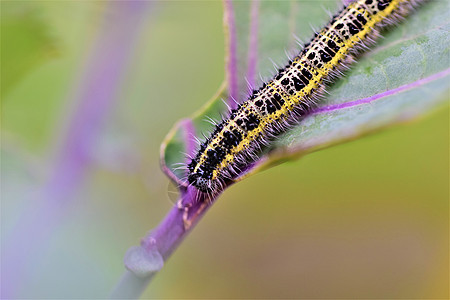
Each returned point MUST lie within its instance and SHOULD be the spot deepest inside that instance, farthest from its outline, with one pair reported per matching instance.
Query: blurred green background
(366, 219)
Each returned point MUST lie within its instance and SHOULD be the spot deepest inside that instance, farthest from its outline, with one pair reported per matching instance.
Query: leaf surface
(404, 77)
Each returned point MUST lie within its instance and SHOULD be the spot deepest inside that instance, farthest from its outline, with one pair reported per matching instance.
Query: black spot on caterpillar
(281, 101)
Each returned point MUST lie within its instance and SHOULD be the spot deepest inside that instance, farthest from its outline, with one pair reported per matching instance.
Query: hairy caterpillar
(281, 101)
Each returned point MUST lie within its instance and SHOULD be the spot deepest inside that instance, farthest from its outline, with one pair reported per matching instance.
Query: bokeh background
(88, 91)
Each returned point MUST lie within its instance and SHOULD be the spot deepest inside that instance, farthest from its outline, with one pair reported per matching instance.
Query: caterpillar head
(200, 180)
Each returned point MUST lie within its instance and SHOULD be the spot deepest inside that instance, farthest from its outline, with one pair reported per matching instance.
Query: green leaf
(404, 77)
(25, 42)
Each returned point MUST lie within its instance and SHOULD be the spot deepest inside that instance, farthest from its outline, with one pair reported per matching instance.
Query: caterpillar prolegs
(281, 101)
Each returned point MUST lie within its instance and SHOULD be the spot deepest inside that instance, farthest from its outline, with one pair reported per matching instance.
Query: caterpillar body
(280, 102)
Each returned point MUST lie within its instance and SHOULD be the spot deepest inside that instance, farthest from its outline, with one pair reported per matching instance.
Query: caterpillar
(279, 103)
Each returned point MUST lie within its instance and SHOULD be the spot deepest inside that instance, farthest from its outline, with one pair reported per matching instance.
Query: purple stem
(172, 230)
(252, 57)
(144, 261)
(402, 88)
(96, 93)
(232, 69)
